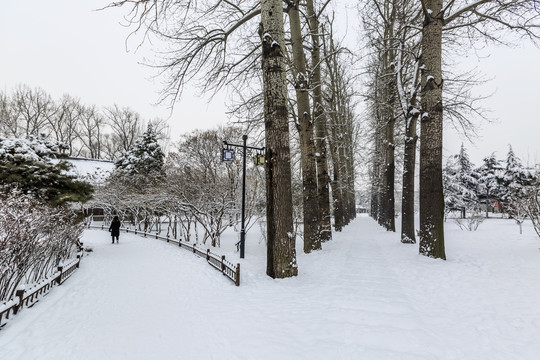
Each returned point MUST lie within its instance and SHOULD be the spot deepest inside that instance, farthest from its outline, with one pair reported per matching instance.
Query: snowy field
(365, 296)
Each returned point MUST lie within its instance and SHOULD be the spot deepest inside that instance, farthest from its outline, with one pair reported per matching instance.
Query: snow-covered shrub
(34, 239)
(533, 207)
(471, 222)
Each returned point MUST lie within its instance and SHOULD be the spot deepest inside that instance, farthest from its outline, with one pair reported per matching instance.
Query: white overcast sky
(63, 46)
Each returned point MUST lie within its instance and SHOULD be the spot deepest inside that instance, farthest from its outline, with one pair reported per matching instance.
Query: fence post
(59, 278)
(237, 281)
(222, 263)
(20, 295)
(207, 254)
(167, 237)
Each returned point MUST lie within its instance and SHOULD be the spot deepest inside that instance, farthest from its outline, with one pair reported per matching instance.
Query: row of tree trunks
(320, 119)
(340, 139)
(312, 240)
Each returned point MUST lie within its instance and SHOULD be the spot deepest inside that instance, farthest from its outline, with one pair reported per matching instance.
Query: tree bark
(319, 116)
(431, 189)
(389, 96)
(281, 251)
(312, 240)
(407, 199)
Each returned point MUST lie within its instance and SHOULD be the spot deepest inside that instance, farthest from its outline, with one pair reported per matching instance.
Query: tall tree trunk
(389, 93)
(319, 116)
(281, 251)
(376, 175)
(389, 221)
(312, 240)
(337, 186)
(409, 160)
(431, 132)
(349, 163)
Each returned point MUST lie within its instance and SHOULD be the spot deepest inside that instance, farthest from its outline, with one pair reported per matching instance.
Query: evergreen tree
(460, 183)
(516, 179)
(34, 166)
(145, 157)
(490, 180)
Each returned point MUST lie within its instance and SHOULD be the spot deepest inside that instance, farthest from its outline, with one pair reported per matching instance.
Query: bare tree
(281, 251)
(320, 120)
(203, 34)
(32, 108)
(470, 20)
(90, 132)
(212, 43)
(208, 189)
(338, 94)
(383, 26)
(8, 120)
(126, 126)
(304, 125)
(64, 121)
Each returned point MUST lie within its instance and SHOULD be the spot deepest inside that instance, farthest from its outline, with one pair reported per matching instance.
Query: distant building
(95, 172)
(361, 209)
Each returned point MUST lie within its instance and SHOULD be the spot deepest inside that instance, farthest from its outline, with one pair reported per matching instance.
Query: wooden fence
(29, 296)
(218, 262)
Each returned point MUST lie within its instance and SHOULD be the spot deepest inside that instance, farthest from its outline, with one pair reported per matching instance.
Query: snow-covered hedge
(34, 239)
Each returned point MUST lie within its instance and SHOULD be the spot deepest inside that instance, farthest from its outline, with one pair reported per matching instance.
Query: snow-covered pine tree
(490, 181)
(34, 166)
(144, 158)
(460, 183)
(517, 178)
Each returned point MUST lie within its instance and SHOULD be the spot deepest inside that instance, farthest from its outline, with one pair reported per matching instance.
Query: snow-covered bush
(471, 222)
(533, 207)
(34, 239)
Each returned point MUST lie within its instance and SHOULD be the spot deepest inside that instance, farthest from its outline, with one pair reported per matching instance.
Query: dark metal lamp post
(227, 154)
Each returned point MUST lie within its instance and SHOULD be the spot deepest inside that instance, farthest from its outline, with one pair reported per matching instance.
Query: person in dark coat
(114, 229)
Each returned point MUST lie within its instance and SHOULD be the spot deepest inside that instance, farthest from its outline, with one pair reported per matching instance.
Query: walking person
(114, 229)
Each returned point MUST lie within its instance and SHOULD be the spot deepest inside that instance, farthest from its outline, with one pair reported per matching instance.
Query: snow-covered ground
(364, 296)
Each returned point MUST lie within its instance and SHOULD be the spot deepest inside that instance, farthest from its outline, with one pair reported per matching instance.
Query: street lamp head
(259, 159)
(227, 155)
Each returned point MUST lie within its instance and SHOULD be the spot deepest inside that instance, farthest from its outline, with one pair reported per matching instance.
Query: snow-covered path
(365, 296)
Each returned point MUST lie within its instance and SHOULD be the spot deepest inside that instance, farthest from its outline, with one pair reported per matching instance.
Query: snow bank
(364, 296)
